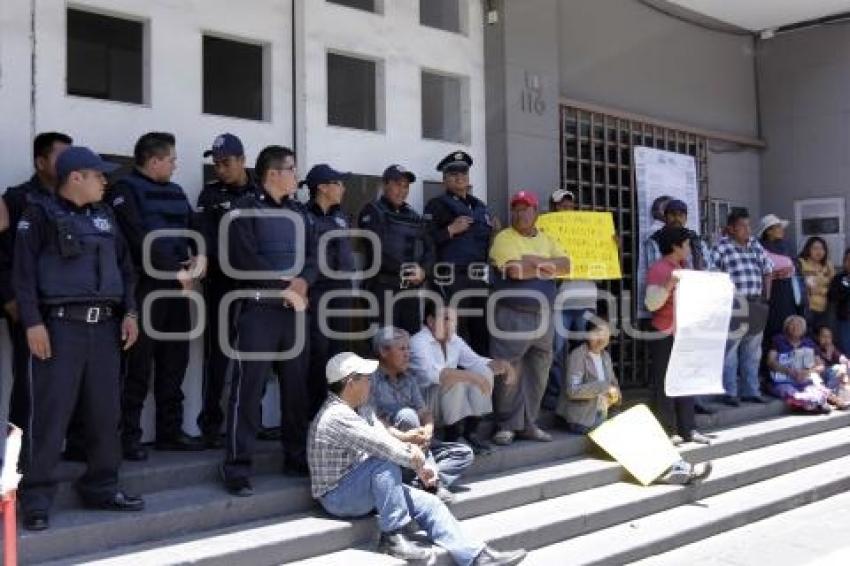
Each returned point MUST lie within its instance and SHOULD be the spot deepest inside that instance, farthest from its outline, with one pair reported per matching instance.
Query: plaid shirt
(387, 397)
(340, 439)
(746, 265)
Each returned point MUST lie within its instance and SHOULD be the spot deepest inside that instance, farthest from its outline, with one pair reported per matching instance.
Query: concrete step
(645, 537)
(506, 499)
(172, 470)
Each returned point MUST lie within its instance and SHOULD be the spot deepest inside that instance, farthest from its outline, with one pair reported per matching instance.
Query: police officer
(326, 217)
(216, 199)
(406, 252)
(267, 232)
(46, 147)
(461, 228)
(74, 282)
(144, 201)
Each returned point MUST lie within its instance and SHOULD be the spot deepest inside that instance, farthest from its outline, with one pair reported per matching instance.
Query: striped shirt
(340, 439)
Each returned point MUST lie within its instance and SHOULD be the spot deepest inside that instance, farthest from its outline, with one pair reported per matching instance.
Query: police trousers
(85, 366)
(168, 359)
(216, 363)
(274, 331)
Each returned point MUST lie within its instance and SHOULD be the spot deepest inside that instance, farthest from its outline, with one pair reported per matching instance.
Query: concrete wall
(620, 54)
(403, 49)
(804, 81)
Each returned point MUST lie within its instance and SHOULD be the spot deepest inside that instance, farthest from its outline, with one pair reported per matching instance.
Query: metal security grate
(596, 164)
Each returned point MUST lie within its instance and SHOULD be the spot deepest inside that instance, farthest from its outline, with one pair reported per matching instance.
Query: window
(367, 5)
(430, 190)
(354, 86)
(105, 56)
(445, 108)
(443, 14)
(234, 81)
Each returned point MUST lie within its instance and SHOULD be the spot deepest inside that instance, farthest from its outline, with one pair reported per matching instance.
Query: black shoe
(36, 521)
(492, 557)
(135, 452)
(270, 433)
(74, 454)
(756, 399)
(120, 501)
(212, 441)
(479, 447)
(731, 401)
(238, 486)
(397, 545)
(701, 409)
(296, 466)
(181, 442)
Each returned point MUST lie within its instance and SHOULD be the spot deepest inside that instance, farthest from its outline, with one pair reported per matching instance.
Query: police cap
(455, 162)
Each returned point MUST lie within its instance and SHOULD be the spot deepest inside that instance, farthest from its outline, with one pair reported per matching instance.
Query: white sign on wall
(660, 174)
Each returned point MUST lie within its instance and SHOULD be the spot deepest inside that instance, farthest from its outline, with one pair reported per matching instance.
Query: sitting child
(795, 369)
(590, 388)
(835, 375)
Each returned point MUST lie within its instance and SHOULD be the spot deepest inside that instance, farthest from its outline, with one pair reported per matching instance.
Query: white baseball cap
(346, 364)
(561, 194)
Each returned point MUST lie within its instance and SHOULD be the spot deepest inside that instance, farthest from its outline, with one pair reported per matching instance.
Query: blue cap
(676, 205)
(323, 173)
(457, 161)
(79, 158)
(226, 145)
(398, 172)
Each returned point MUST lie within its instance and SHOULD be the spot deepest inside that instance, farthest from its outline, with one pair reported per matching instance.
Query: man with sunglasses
(217, 198)
(355, 467)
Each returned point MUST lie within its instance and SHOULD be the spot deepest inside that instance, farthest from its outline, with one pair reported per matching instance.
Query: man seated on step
(355, 468)
(396, 399)
(456, 382)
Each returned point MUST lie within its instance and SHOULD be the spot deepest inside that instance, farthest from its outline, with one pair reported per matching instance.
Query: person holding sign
(676, 414)
(527, 262)
(577, 301)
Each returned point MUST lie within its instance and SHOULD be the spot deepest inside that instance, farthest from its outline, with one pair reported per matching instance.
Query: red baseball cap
(527, 198)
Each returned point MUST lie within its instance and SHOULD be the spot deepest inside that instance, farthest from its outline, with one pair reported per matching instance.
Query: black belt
(92, 314)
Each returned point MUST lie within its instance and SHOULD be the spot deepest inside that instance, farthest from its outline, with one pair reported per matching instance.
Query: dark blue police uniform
(143, 205)
(467, 252)
(404, 241)
(216, 200)
(339, 257)
(17, 200)
(73, 274)
(267, 243)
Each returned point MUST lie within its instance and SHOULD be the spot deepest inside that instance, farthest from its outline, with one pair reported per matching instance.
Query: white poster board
(703, 312)
(661, 173)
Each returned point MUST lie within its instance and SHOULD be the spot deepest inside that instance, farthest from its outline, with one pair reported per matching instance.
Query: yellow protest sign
(588, 238)
(636, 440)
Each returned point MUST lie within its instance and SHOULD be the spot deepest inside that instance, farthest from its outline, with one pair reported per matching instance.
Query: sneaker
(677, 440)
(699, 438)
(701, 471)
(536, 434)
(492, 557)
(238, 486)
(397, 545)
(503, 437)
(444, 495)
(679, 473)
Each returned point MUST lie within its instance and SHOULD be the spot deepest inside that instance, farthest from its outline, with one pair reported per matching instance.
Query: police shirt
(35, 233)
(216, 200)
(376, 220)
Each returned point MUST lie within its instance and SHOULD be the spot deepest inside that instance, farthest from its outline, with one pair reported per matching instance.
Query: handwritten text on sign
(588, 238)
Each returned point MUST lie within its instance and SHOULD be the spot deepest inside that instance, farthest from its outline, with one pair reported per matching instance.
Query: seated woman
(835, 374)
(795, 369)
(590, 388)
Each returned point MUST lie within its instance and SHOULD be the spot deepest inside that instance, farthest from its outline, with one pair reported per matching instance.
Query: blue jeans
(743, 356)
(450, 459)
(574, 321)
(843, 336)
(376, 484)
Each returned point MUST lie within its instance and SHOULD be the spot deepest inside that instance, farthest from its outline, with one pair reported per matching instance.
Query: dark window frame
(262, 110)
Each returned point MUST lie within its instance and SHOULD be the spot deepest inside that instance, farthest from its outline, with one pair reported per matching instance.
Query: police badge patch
(102, 224)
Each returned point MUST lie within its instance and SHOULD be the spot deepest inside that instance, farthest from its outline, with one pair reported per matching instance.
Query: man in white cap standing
(355, 467)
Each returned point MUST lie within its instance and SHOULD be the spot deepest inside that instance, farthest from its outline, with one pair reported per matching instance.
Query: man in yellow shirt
(526, 263)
